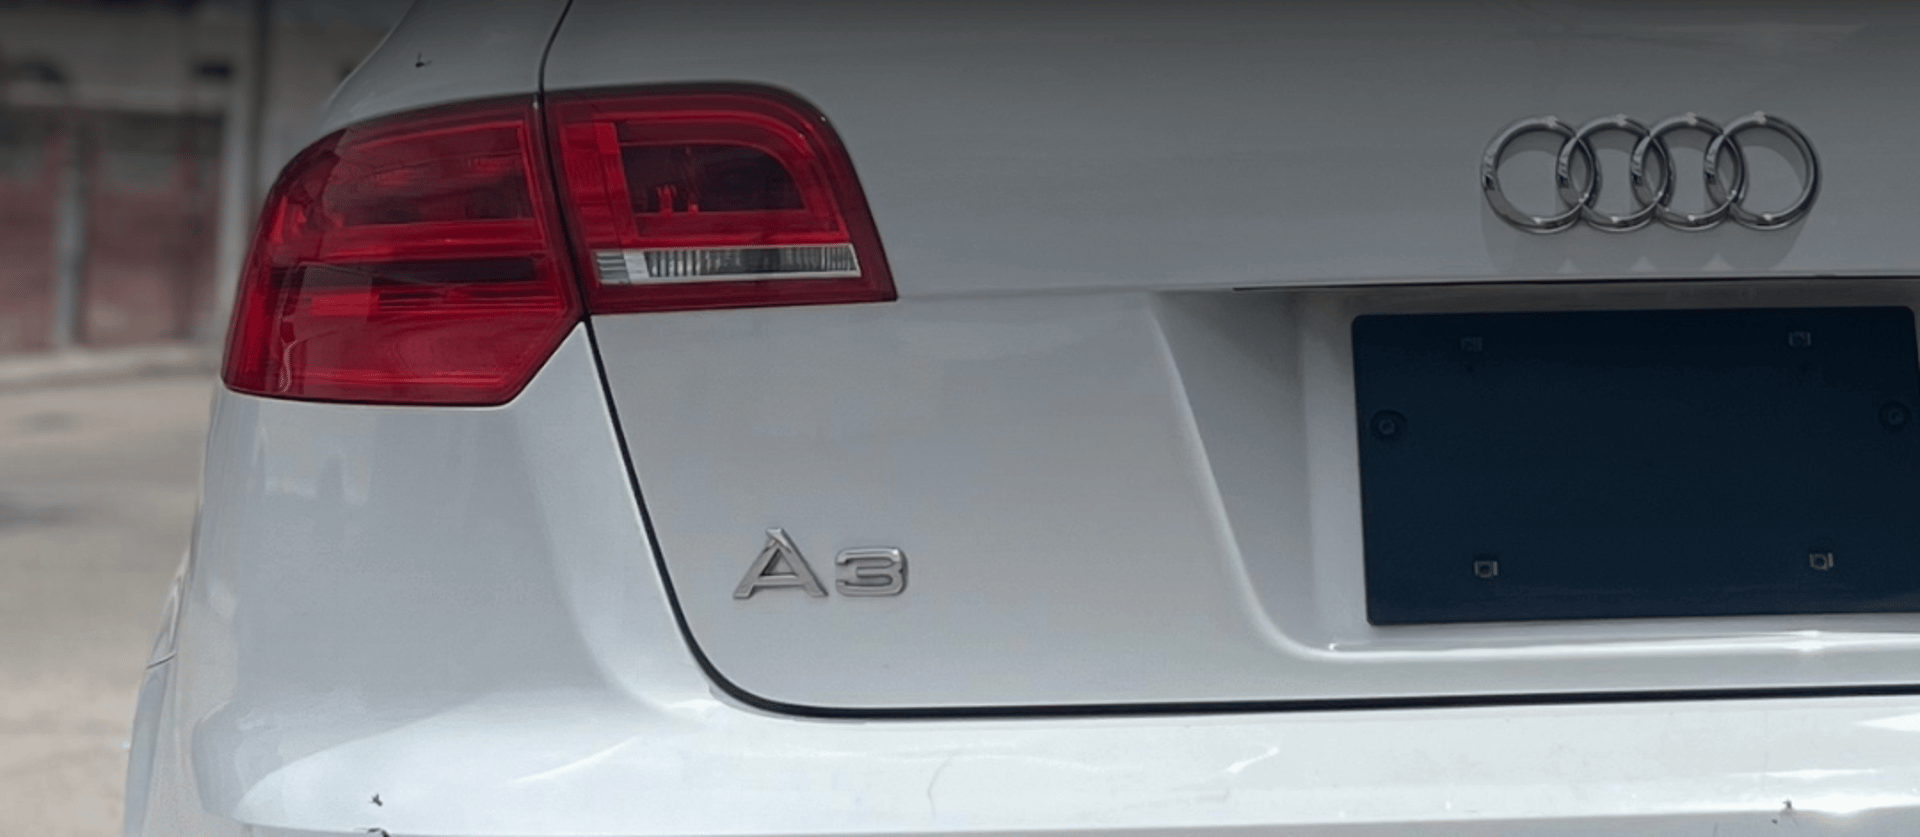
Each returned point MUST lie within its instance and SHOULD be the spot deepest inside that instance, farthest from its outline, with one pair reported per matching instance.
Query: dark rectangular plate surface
(1611, 464)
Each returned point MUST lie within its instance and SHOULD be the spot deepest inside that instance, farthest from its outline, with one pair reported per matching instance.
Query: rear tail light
(713, 198)
(419, 259)
(413, 260)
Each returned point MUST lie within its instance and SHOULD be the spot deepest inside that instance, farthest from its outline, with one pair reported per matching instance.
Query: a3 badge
(863, 571)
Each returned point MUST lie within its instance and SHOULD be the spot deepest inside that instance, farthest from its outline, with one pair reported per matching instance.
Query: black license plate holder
(1629, 464)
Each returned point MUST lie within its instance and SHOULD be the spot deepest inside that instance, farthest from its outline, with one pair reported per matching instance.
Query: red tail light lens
(713, 198)
(412, 260)
(419, 259)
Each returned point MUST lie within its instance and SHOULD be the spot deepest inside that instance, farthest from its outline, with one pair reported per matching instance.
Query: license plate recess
(1624, 464)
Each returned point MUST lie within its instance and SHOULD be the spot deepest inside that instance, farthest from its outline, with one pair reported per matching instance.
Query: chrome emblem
(871, 571)
(779, 565)
(863, 571)
(1652, 190)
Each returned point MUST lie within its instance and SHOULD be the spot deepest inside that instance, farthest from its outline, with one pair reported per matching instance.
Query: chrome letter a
(779, 565)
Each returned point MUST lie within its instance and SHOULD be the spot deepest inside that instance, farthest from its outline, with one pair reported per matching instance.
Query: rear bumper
(674, 759)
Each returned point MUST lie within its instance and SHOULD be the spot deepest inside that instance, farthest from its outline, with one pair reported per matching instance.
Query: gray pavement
(97, 489)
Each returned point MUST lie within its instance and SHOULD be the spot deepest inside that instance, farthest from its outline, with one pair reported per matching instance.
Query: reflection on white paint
(1243, 764)
(1850, 804)
(1897, 723)
(574, 766)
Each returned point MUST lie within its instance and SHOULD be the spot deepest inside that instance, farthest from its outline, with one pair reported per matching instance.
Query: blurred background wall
(136, 140)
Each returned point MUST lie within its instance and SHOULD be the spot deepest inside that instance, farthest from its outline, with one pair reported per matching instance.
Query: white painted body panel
(448, 51)
(1119, 477)
(1119, 481)
(1115, 498)
(1008, 146)
(494, 656)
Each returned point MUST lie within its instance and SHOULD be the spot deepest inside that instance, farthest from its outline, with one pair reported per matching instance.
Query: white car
(682, 419)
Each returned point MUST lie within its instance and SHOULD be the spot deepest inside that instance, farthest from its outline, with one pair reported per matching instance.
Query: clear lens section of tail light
(713, 197)
(411, 260)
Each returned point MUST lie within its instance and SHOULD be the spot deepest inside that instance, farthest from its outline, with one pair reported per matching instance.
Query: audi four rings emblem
(1652, 184)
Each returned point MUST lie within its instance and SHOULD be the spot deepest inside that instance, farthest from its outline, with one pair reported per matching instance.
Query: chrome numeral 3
(871, 571)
